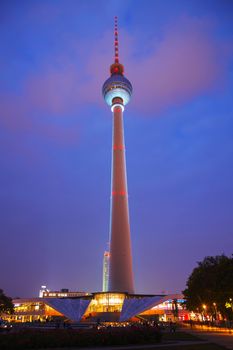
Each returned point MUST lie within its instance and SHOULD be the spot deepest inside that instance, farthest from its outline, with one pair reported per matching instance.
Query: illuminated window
(106, 302)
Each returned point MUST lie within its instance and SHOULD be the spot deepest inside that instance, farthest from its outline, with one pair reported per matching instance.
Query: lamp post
(203, 312)
(215, 311)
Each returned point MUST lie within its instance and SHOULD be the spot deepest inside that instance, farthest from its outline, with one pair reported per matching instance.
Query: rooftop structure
(105, 271)
(63, 293)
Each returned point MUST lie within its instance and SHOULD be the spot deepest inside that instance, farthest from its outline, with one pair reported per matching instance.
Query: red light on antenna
(116, 70)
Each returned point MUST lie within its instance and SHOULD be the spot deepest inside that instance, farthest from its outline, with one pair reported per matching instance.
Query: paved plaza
(224, 338)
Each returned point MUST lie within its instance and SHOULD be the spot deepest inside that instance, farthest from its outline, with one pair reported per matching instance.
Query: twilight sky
(55, 136)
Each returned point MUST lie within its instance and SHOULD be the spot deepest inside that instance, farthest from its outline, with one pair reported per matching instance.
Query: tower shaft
(120, 270)
(117, 91)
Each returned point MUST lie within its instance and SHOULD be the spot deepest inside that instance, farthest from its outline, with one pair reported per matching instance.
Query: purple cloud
(18, 115)
(187, 62)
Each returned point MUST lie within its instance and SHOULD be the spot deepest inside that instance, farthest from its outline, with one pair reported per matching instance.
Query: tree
(210, 286)
(6, 305)
(175, 310)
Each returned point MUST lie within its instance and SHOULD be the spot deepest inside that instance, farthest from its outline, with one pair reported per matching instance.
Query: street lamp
(203, 313)
(215, 310)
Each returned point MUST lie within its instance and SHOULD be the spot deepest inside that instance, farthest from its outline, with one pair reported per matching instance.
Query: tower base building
(99, 307)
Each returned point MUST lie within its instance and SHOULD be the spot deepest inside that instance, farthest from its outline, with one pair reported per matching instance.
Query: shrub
(52, 338)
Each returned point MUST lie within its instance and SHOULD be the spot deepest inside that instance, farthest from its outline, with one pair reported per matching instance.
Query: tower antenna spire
(116, 67)
(116, 48)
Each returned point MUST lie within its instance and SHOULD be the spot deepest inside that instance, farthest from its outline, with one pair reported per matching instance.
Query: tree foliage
(6, 305)
(211, 284)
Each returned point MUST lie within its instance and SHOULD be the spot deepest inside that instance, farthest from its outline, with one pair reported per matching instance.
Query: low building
(104, 306)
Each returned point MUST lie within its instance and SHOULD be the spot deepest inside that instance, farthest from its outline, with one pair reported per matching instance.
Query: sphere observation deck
(117, 86)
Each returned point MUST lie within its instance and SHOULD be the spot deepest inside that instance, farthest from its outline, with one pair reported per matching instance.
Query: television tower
(117, 91)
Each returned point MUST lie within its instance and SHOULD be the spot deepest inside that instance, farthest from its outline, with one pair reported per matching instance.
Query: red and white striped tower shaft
(117, 91)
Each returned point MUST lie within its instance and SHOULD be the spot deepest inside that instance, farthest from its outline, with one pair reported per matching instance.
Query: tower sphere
(117, 86)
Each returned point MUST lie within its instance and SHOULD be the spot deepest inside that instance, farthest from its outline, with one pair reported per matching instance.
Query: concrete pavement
(223, 339)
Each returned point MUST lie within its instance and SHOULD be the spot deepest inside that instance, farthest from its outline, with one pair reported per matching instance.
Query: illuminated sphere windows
(117, 86)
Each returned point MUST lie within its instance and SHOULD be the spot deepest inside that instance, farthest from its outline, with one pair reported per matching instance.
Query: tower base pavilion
(99, 307)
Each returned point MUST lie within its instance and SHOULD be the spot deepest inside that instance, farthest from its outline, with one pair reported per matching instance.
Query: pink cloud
(185, 64)
(56, 91)
(18, 114)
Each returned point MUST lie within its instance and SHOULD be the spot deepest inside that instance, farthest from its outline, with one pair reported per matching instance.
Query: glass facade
(32, 311)
(106, 302)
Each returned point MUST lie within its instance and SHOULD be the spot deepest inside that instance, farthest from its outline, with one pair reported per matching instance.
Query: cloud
(54, 90)
(19, 114)
(185, 64)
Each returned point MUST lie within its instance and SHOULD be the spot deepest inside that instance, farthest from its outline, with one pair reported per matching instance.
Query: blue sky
(55, 135)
